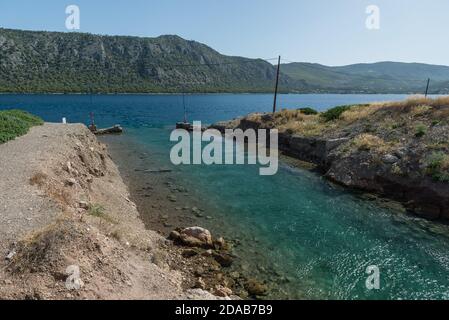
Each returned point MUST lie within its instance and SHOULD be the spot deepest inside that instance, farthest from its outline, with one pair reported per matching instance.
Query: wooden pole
(277, 85)
(427, 88)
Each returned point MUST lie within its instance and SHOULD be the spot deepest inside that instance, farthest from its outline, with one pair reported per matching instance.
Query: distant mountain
(37, 61)
(381, 77)
(75, 62)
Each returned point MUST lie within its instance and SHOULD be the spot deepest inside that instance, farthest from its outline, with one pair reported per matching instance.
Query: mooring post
(427, 88)
(277, 85)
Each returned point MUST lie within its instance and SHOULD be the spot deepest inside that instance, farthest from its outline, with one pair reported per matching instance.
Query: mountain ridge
(66, 62)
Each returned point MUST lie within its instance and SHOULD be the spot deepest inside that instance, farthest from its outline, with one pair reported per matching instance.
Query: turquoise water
(313, 239)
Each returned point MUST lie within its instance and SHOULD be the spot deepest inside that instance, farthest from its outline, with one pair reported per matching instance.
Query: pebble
(11, 255)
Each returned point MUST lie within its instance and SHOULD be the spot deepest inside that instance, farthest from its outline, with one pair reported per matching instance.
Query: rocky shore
(396, 150)
(69, 230)
(169, 204)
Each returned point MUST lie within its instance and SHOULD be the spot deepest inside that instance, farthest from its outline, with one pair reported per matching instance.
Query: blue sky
(331, 32)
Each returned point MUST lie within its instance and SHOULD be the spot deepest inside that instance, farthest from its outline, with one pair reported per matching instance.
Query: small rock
(200, 284)
(401, 153)
(70, 182)
(221, 291)
(68, 167)
(208, 253)
(188, 253)
(174, 235)
(390, 159)
(234, 275)
(220, 243)
(83, 205)
(225, 260)
(199, 272)
(255, 288)
(11, 255)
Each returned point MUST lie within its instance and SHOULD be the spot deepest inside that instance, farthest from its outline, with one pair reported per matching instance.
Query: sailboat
(185, 124)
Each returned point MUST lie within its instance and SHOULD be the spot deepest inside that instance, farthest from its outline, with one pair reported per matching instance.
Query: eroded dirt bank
(63, 207)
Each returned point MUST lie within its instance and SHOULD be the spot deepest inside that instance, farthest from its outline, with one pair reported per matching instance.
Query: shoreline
(167, 204)
(359, 156)
(75, 214)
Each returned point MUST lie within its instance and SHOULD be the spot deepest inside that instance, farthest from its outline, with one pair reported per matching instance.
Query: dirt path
(64, 204)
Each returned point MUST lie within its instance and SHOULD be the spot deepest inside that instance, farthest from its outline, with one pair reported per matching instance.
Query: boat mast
(184, 104)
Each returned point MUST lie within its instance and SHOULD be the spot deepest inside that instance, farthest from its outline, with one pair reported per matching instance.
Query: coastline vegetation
(400, 133)
(15, 123)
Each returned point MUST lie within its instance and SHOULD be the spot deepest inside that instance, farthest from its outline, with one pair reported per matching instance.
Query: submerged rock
(256, 288)
(224, 259)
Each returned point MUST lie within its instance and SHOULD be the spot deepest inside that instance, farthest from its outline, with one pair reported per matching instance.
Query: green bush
(421, 131)
(15, 123)
(96, 210)
(308, 111)
(334, 113)
(436, 166)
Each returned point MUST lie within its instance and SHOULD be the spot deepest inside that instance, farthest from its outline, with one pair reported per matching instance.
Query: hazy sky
(331, 32)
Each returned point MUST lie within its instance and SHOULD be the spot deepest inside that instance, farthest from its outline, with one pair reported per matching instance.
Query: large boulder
(193, 237)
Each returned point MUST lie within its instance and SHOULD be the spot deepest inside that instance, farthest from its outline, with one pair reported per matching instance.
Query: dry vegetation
(419, 125)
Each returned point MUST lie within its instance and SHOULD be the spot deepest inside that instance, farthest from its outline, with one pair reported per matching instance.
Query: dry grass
(420, 110)
(368, 142)
(417, 101)
(44, 248)
(383, 115)
(285, 116)
(308, 127)
(38, 179)
(52, 188)
(359, 112)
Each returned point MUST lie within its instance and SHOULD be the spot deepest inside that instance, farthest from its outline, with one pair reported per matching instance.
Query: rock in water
(225, 260)
(255, 288)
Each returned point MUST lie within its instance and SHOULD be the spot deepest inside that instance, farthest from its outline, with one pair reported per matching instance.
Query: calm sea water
(317, 238)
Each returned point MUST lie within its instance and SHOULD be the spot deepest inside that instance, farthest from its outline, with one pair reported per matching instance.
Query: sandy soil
(64, 204)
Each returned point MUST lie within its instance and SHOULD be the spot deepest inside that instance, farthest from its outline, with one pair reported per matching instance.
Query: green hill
(44, 62)
(381, 77)
(75, 62)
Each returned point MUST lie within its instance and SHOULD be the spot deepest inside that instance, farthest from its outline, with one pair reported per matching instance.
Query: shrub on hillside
(334, 113)
(308, 111)
(15, 123)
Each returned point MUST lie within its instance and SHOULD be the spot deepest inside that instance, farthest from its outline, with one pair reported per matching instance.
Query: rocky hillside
(399, 149)
(77, 62)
